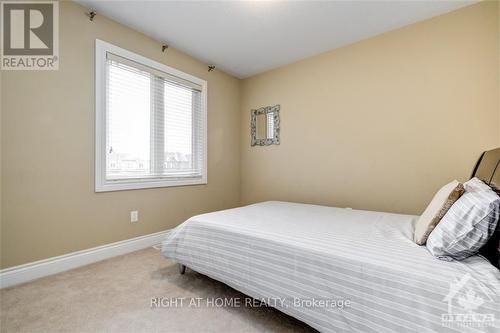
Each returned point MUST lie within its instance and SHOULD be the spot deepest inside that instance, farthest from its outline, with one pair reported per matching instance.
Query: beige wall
(47, 134)
(383, 123)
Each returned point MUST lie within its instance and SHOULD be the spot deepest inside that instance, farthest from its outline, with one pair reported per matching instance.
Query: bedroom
(326, 128)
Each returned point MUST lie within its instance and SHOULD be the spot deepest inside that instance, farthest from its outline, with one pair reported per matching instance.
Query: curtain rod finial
(92, 14)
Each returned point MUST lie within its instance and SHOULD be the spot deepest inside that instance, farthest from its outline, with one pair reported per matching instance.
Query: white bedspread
(305, 253)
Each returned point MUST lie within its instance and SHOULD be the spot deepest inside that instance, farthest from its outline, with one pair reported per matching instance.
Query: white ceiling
(244, 38)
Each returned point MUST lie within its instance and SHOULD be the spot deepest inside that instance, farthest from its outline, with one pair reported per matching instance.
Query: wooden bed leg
(182, 269)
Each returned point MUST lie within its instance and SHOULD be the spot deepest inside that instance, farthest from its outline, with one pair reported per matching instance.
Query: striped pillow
(468, 224)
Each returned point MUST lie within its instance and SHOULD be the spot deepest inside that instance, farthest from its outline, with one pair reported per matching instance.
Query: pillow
(475, 184)
(438, 206)
(468, 224)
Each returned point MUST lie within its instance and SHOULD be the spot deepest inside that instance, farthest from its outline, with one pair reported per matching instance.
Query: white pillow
(438, 206)
(468, 224)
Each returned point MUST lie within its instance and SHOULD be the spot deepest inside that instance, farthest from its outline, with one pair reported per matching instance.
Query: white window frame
(103, 185)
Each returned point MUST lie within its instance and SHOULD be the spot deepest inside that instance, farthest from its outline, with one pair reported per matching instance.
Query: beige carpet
(115, 296)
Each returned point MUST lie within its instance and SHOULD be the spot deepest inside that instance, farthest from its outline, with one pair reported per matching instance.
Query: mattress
(339, 270)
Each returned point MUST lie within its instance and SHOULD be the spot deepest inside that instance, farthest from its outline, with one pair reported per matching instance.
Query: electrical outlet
(134, 216)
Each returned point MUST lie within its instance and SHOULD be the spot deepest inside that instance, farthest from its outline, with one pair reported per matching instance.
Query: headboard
(488, 168)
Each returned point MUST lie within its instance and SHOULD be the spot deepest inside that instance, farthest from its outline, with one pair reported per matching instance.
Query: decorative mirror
(265, 127)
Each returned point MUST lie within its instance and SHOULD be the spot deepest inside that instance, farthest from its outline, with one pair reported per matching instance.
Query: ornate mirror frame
(276, 119)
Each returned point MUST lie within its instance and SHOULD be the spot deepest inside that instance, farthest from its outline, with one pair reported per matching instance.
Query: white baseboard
(23, 273)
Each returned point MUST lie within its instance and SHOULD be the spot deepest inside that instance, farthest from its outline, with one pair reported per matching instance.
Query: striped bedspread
(339, 270)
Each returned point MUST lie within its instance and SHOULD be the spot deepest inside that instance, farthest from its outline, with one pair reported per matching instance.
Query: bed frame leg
(182, 269)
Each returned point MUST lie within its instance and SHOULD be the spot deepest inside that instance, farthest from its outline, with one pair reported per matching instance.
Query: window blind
(153, 123)
(270, 125)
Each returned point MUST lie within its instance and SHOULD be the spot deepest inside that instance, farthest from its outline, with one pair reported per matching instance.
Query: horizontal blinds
(152, 71)
(153, 123)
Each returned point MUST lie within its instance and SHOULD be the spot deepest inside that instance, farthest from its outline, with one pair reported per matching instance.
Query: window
(150, 123)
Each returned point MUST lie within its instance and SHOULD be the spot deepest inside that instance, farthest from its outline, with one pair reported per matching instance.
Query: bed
(339, 270)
